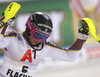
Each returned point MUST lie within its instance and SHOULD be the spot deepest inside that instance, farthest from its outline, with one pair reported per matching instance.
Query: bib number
(24, 69)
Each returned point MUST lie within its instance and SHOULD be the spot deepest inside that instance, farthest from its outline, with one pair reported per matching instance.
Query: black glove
(84, 27)
(83, 30)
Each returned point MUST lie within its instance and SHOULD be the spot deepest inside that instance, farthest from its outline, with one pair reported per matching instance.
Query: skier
(24, 51)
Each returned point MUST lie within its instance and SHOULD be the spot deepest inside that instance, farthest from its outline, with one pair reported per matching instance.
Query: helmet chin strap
(33, 46)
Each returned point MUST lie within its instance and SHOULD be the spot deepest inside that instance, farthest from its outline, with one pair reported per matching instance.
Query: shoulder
(49, 43)
(52, 45)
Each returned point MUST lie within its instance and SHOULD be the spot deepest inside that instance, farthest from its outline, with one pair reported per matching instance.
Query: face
(33, 42)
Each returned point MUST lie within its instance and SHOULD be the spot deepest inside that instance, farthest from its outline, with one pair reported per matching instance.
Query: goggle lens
(39, 36)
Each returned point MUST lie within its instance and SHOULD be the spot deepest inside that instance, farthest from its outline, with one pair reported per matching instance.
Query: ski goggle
(35, 33)
(39, 36)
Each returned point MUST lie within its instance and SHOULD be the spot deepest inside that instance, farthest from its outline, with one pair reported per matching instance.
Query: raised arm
(83, 33)
(8, 16)
(73, 52)
(3, 40)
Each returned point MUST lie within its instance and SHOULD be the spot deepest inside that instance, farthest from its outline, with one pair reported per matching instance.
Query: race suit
(19, 58)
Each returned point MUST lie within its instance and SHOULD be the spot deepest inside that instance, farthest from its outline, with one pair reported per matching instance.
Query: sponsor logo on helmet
(46, 30)
(45, 26)
(45, 16)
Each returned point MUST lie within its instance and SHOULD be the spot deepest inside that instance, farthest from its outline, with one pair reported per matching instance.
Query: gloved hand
(9, 20)
(10, 12)
(83, 30)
